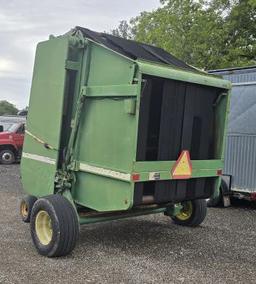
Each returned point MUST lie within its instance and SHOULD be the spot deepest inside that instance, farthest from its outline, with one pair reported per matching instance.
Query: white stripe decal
(104, 172)
(39, 158)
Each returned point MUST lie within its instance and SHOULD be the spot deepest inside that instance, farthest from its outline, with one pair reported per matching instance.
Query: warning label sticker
(154, 176)
(182, 169)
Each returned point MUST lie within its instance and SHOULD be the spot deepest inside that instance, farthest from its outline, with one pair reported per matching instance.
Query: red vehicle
(11, 139)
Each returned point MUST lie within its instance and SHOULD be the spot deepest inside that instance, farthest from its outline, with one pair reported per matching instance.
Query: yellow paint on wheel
(24, 209)
(43, 226)
(186, 211)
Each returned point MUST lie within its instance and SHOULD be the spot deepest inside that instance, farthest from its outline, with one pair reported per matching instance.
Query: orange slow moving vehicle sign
(182, 169)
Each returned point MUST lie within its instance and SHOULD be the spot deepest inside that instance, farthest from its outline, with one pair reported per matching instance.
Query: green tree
(241, 33)
(7, 108)
(208, 34)
(123, 30)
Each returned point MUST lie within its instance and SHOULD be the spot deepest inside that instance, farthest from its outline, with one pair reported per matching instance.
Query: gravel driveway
(146, 249)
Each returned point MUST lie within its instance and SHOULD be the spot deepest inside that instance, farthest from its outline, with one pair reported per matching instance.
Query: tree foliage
(7, 108)
(208, 34)
(123, 30)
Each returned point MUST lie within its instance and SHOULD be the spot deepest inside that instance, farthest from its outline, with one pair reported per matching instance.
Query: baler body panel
(106, 136)
(136, 118)
(44, 121)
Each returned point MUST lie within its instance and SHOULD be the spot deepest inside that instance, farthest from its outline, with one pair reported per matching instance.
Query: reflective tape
(104, 172)
(42, 159)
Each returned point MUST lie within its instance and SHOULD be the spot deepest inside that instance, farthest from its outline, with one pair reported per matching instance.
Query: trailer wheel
(7, 157)
(26, 206)
(192, 214)
(218, 200)
(214, 202)
(54, 226)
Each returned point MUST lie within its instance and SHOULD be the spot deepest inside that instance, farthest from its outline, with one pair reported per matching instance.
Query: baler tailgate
(40, 150)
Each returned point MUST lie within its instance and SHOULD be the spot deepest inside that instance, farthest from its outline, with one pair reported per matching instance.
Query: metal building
(240, 154)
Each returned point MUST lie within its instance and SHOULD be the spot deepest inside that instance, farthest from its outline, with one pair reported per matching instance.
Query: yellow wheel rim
(186, 211)
(43, 226)
(23, 209)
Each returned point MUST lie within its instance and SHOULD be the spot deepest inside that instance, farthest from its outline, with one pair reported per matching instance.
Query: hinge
(72, 65)
(74, 166)
(84, 90)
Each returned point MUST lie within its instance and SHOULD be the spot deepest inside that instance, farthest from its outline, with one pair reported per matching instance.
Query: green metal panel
(103, 141)
(102, 193)
(107, 131)
(109, 68)
(38, 166)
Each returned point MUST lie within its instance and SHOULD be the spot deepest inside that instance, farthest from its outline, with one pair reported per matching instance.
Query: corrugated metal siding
(241, 78)
(240, 154)
(242, 114)
(240, 161)
(237, 76)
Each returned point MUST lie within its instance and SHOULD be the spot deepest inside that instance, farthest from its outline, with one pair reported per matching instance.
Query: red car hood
(5, 135)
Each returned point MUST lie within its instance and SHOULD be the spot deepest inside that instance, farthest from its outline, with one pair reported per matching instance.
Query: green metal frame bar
(167, 165)
(223, 108)
(129, 90)
(121, 215)
(180, 75)
(79, 107)
(200, 168)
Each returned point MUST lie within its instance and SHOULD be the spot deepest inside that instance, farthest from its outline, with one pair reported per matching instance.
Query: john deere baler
(117, 129)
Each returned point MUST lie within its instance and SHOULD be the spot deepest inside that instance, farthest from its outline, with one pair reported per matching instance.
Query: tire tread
(198, 215)
(68, 225)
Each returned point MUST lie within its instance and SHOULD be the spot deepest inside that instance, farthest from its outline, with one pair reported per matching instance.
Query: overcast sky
(23, 23)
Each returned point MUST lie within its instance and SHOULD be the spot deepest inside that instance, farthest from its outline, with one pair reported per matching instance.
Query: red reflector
(219, 172)
(135, 177)
(253, 196)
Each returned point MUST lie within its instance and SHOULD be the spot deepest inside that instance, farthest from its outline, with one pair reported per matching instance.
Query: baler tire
(198, 214)
(218, 200)
(26, 206)
(63, 226)
(7, 153)
(214, 202)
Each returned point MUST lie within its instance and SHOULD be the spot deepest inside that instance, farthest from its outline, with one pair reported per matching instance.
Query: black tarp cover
(135, 50)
